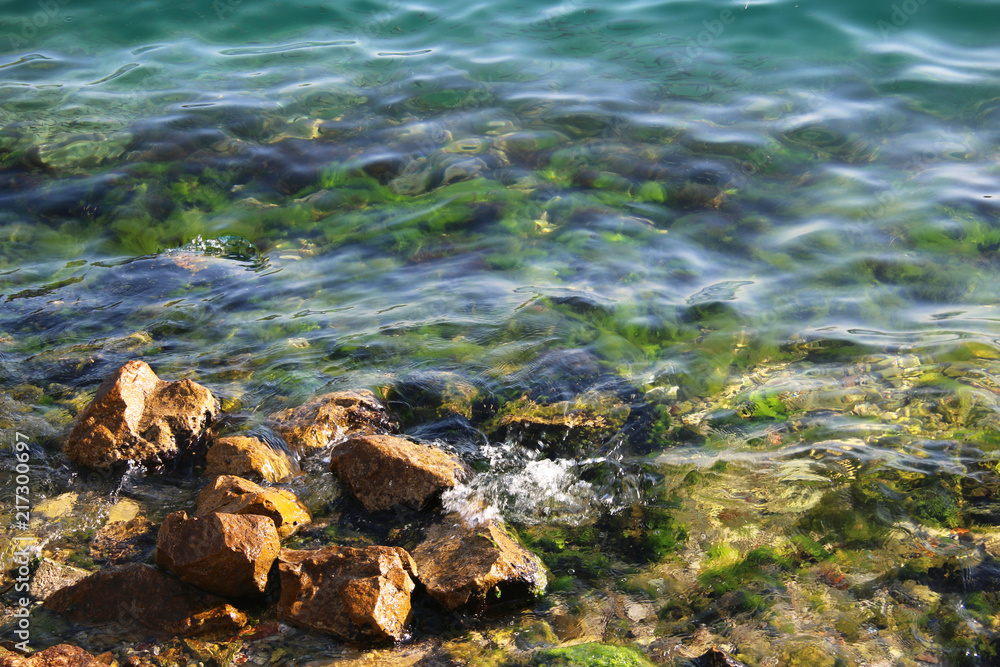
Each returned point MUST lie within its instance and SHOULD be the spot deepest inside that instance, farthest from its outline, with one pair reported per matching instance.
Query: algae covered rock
(355, 594)
(235, 495)
(249, 457)
(145, 601)
(225, 554)
(138, 417)
(383, 471)
(591, 655)
(563, 429)
(432, 395)
(331, 418)
(476, 565)
(60, 655)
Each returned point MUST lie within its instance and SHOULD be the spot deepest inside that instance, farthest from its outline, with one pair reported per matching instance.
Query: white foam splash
(518, 487)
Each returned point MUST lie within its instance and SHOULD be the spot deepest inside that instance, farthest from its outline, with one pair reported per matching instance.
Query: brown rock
(119, 542)
(384, 470)
(476, 565)
(145, 601)
(234, 495)
(60, 655)
(225, 554)
(138, 417)
(356, 594)
(249, 457)
(50, 576)
(223, 490)
(331, 418)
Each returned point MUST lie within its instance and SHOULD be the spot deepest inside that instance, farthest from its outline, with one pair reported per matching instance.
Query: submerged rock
(234, 495)
(476, 565)
(225, 554)
(145, 601)
(138, 417)
(383, 471)
(249, 457)
(121, 542)
(331, 418)
(51, 576)
(60, 655)
(564, 429)
(355, 594)
(432, 395)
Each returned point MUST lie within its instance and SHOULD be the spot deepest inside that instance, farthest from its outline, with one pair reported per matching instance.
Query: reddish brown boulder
(249, 457)
(60, 655)
(385, 470)
(360, 595)
(476, 565)
(330, 418)
(225, 554)
(145, 601)
(138, 417)
(233, 495)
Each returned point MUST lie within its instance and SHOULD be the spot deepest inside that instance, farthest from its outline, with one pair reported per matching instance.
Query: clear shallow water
(775, 223)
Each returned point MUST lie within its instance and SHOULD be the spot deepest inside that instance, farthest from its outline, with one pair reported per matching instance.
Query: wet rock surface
(138, 417)
(60, 655)
(226, 554)
(143, 600)
(330, 418)
(50, 577)
(251, 458)
(360, 595)
(234, 495)
(383, 471)
(119, 542)
(476, 565)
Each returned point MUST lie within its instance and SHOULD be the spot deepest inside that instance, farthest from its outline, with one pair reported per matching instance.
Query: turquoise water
(768, 228)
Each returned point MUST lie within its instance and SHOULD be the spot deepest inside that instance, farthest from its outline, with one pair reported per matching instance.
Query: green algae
(591, 655)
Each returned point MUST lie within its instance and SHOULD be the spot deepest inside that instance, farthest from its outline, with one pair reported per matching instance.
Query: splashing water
(521, 488)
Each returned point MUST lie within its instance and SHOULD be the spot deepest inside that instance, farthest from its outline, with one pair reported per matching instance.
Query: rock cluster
(229, 549)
